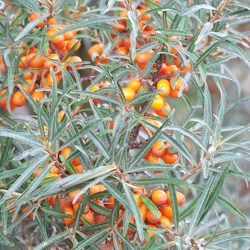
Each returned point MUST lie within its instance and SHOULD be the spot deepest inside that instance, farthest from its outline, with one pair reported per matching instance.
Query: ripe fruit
(135, 84)
(33, 16)
(71, 43)
(89, 217)
(164, 86)
(158, 149)
(97, 48)
(162, 112)
(38, 96)
(137, 199)
(37, 172)
(73, 194)
(18, 99)
(3, 99)
(48, 64)
(179, 196)
(167, 211)
(165, 222)
(143, 58)
(96, 189)
(65, 204)
(143, 211)
(57, 39)
(157, 103)
(77, 61)
(30, 214)
(69, 221)
(129, 94)
(111, 202)
(68, 35)
(153, 159)
(152, 218)
(159, 197)
(170, 158)
(150, 233)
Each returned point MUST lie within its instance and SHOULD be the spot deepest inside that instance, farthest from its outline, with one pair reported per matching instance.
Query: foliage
(81, 169)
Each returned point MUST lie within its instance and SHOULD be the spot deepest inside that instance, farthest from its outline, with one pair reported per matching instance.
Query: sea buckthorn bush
(115, 129)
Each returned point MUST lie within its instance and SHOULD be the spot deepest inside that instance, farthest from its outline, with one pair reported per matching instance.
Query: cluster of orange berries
(35, 71)
(69, 205)
(160, 150)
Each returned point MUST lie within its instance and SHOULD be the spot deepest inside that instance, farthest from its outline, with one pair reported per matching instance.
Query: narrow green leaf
(91, 239)
(201, 204)
(55, 239)
(215, 192)
(150, 205)
(135, 209)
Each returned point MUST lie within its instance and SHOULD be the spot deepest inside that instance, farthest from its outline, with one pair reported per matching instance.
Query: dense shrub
(124, 145)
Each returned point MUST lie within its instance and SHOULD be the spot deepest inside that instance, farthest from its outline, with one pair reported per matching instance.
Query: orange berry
(37, 172)
(26, 209)
(71, 43)
(137, 199)
(61, 115)
(57, 39)
(158, 149)
(147, 155)
(159, 197)
(30, 87)
(135, 84)
(34, 62)
(52, 200)
(69, 35)
(158, 103)
(28, 75)
(55, 170)
(73, 194)
(170, 158)
(99, 218)
(2, 66)
(153, 159)
(172, 69)
(150, 233)
(174, 93)
(165, 222)
(38, 96)
(143, 211)
(151, 218)
(121, 51)
(89, 217)
(51, 175)
(96, 189)
(33, 16)
(97, 48)
(179, 196)
(111, 202)
(167, 212)
(164, 86)
(51, 21)
(49, 79)
(69, 221)
(177, 84)
(65, 204)
(23, 63)
(79, 169)
(129, 94)
(76, 61)
(143, 58)
(3, 100)
(48, 64)
(162, 112)
(18, 99)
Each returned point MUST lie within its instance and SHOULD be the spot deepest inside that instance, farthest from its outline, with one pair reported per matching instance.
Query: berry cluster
(36, 70)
